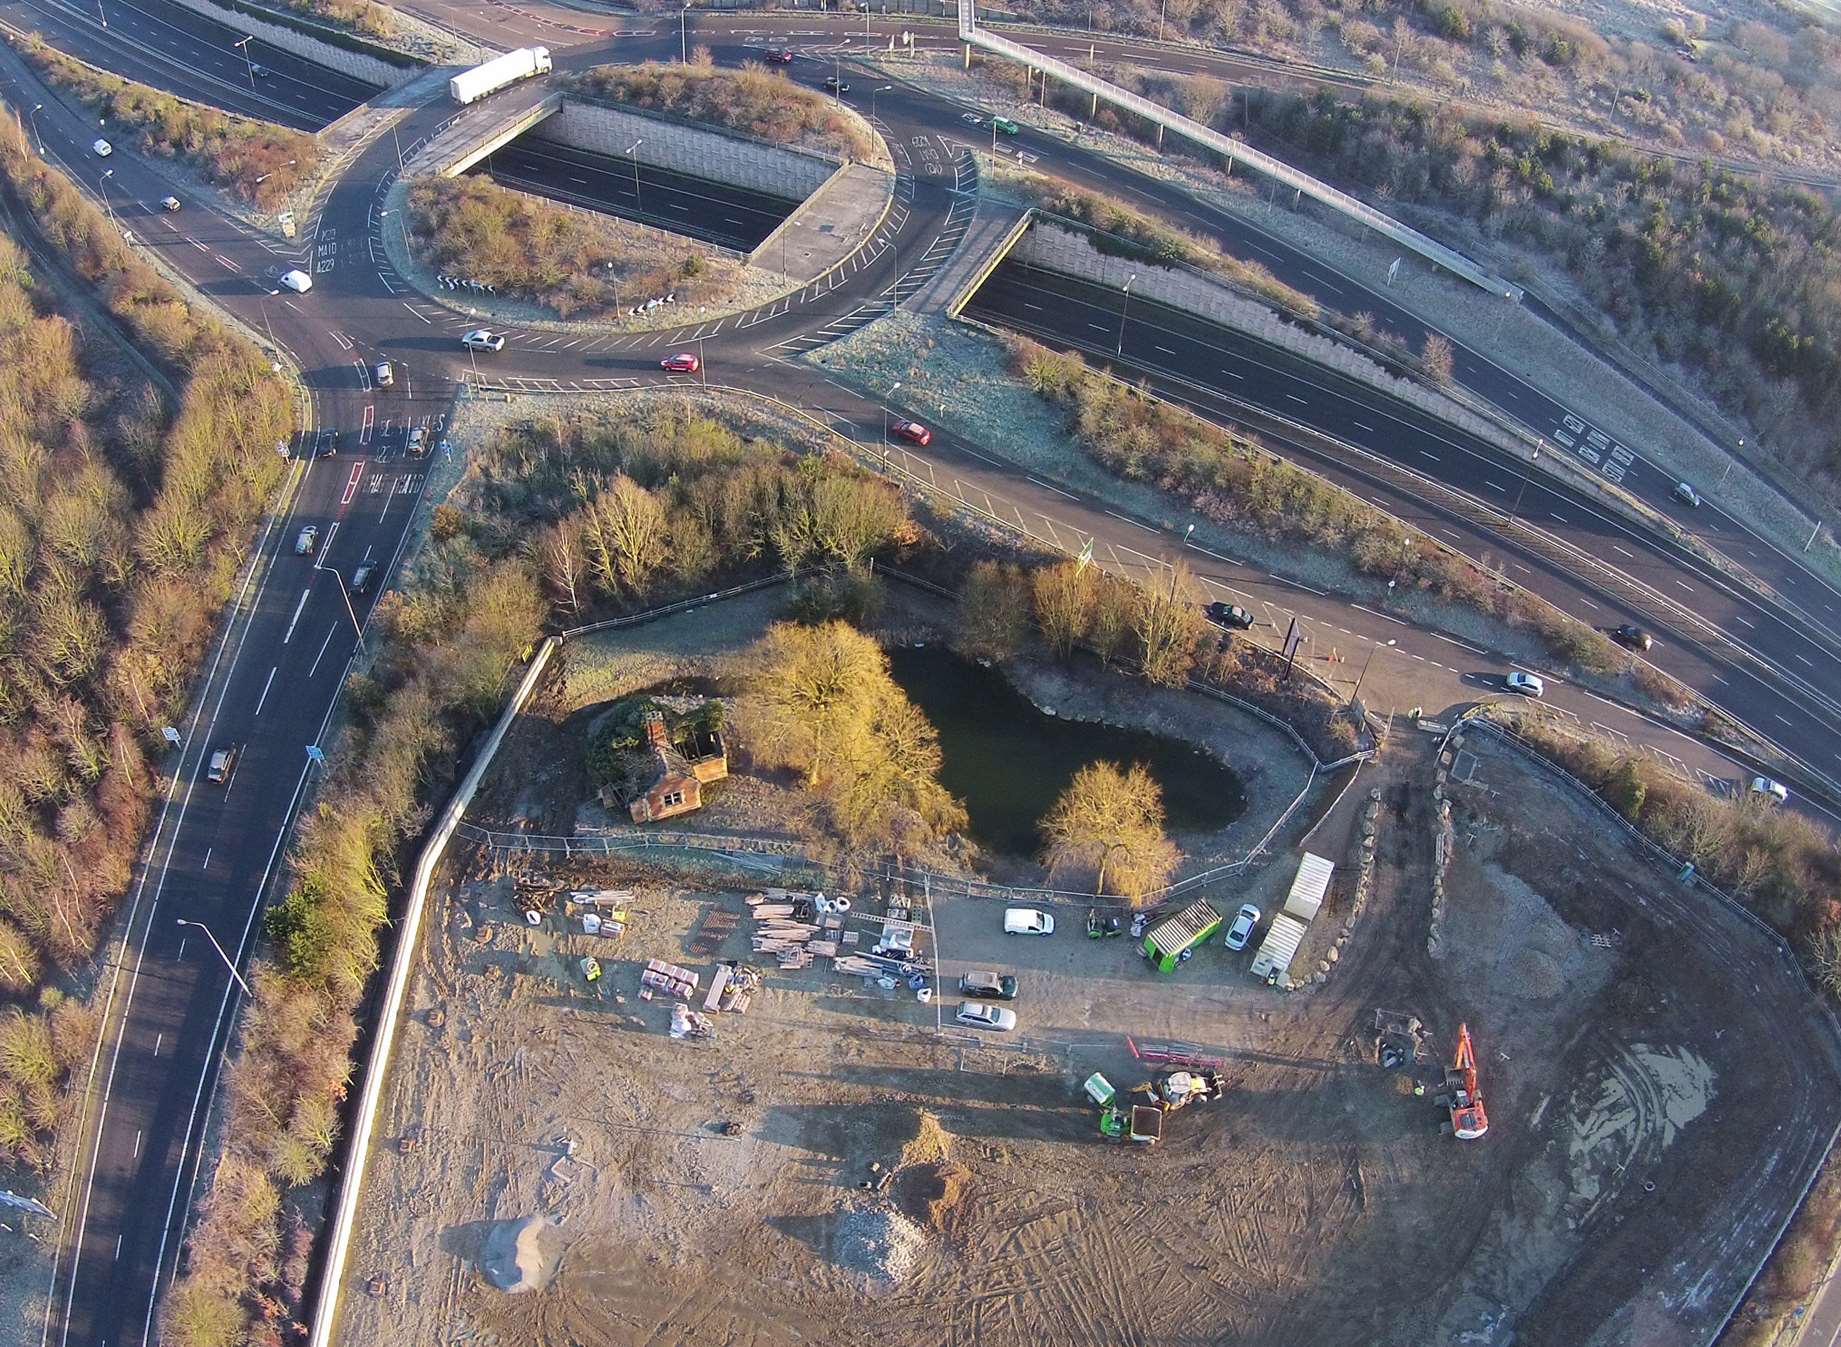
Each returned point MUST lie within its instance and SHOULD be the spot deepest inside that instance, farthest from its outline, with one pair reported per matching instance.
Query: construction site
(1515, 1084)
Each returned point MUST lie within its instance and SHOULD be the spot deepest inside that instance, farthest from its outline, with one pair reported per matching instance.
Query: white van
(1028, 921)
(297, 281)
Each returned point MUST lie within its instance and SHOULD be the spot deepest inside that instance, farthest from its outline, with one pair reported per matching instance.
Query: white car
(1525, 683)
(103, 149)
(307, 540)
(1242, 930)
(482, 339)
(986, 1017)
(1028, 921)
(297, 281)
(1687, 495)
(169, 204)
(1763, 785)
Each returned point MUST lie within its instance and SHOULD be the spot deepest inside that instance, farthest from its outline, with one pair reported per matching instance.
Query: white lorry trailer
(471, 85)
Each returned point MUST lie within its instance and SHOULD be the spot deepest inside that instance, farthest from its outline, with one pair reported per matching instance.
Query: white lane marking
(1742, 622)
(296, 618)
(1134, 523)
(418, 313)
(158, 1039)
(1052, 487)
(265, 687)
(137, 1143)
(322, 655)
(1383, 616)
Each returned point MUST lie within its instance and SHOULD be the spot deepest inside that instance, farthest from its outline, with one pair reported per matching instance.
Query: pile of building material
(670, 978)
(687, 1023)
(795, 927)
(732, 987)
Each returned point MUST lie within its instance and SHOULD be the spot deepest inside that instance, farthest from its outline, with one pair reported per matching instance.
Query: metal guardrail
(1238, 152)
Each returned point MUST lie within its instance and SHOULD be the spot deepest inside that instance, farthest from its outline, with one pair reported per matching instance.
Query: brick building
(677, 781)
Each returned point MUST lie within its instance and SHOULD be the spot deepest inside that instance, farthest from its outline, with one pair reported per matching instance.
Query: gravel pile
(878, 1242)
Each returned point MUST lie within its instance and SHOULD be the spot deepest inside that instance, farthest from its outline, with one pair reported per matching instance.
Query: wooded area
(123, 521)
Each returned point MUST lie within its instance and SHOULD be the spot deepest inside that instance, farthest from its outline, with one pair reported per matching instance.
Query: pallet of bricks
(669, 978)
(790, 927)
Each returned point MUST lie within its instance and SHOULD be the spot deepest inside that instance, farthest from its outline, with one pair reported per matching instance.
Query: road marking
(1741, 621)
(297, 612)
(1424, 454)
(1383, 616)
(1134, 523)
(418, 313)
(351, 484)
(1560, 517)
(1780, 720)
(1218, 556)
(1050, 486)
(1305, 402)
(1230, 374)
(1498, 485)
(1679, 585)
(138, 1133)
(158, 1039)
(265, 687)
(1362, 425)
(1165, 349)
(207, 862)
(322, 655)
(364, 427)
(1620, 551)
(1809, 662)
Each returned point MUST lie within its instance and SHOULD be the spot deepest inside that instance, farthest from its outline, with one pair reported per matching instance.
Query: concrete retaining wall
(739, 162)
(1055, 247)
(359, 65)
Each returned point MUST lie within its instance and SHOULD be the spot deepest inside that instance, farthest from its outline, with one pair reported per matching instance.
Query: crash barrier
(1236, 152)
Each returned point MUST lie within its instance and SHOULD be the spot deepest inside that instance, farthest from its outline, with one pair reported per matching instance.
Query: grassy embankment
(123, 522)
(753, 100)
(256, 162)
(578, 265)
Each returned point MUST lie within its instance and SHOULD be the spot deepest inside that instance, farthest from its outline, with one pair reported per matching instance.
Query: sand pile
(520, 1255)
(933, 1194)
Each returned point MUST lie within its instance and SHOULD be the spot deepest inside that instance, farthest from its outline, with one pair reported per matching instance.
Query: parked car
(384, 374)
(1005, 126)
(102, 148)
(1687, 495)
(990, 986)
(1525, 683)
(1028, 921)
(169, 203)
(223, 764)
(1242, 930)
(1763, 785)
(306, 540)
(986, 1017)
(684, 362)
(779, 58)
(836, 86)
(1632, 637)
(913, 432)
(483, 339)
(364, 577)
(297, 281)
(1229, 615)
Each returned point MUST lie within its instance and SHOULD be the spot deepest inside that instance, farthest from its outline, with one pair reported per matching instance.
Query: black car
(1632, 637)
(1230, 615)
(363, 577)
(988, 986)
(832, 83)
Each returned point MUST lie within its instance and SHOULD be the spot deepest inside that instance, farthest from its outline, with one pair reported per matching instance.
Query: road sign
(171, 735)
(1085, 559)
(1393, 271)
(316, 754)
(1293, 635)
(25, 1204)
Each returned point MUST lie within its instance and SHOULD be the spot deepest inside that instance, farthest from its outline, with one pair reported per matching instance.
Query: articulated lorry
(471, 85)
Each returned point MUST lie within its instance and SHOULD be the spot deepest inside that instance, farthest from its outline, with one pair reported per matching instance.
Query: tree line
(123, 521)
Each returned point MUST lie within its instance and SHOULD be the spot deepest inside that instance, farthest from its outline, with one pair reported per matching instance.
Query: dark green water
(1008, 762)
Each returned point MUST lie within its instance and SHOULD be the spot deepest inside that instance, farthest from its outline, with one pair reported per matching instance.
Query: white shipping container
(1275, 952)
(1307, 890)
(495, 74)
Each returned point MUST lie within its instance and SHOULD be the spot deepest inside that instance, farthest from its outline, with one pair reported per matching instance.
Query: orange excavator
(1461, 1096)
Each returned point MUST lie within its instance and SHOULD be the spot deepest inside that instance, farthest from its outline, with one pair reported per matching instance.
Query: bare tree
(1436, 358)
(1110, 821)
(1169, 626)
(993, 610)
(1065, 595)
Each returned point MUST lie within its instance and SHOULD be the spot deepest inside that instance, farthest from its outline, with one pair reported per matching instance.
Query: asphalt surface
(271, 680)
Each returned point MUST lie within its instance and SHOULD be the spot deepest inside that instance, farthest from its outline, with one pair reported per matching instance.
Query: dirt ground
(1659, 1084)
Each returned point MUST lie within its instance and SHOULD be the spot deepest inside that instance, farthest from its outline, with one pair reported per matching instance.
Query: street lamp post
(1354, 691)
(872, 99)
(402, 228)
(248, 65)
(1161, 9)
(32, 118)
(632, 151)
(894, 388)
(102, 187)
(683, 35)
(220, 954)
(1124, 308)
(273, 171)
(345, 594)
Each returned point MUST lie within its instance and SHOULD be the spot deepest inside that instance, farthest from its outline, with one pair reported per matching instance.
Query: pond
(1009, 762)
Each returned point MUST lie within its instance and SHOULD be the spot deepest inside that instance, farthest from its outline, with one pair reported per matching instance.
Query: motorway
(271, 679)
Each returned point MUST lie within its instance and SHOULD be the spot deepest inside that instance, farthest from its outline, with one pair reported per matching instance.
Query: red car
(779, 58)
(681, 363)
(914, 432)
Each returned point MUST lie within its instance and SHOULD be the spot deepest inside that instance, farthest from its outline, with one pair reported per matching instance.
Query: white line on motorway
(265, 687)
(1383, 616)
(1134, 523)
(1742, 621)
(296, 618)
(322, 655)
(1050, 486)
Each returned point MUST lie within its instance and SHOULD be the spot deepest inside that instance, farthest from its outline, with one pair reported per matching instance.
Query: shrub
(753, 100)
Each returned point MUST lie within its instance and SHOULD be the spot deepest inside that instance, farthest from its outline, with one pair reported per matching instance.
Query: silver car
(986, 1017)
